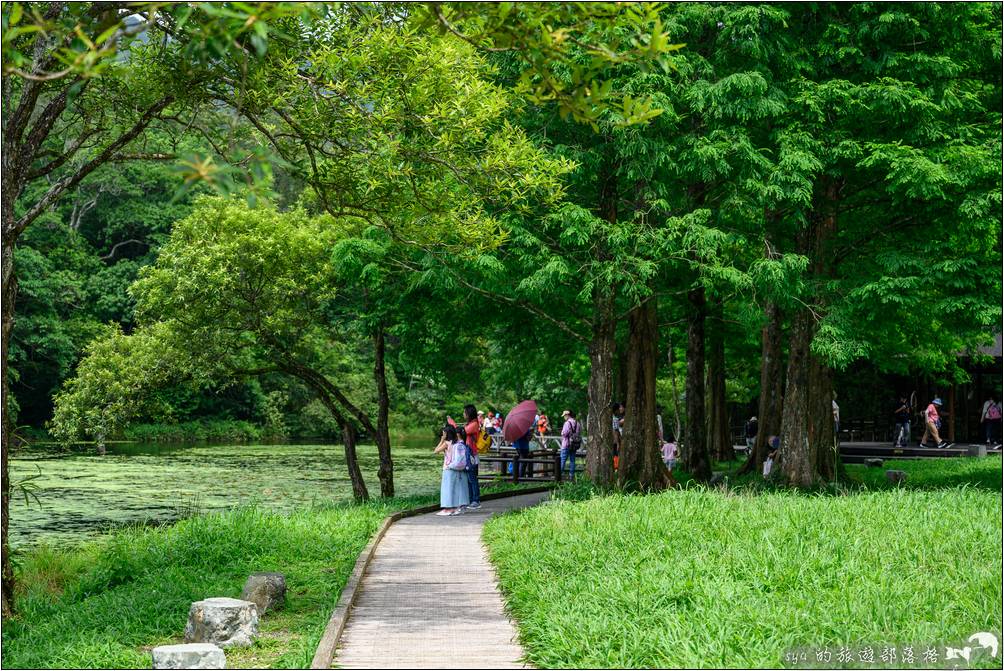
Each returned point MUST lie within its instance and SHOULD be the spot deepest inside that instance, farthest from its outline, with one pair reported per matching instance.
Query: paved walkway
(429, 598)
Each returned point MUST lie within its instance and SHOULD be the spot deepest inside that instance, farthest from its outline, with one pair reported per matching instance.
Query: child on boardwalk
(453, 493)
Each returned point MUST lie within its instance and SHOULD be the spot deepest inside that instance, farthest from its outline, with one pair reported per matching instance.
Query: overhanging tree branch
(68, 182)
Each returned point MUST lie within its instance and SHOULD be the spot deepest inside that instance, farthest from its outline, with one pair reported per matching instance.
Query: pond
(81, 493)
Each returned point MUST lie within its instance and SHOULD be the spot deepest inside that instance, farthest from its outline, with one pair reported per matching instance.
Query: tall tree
(82, 83)
(896, 119)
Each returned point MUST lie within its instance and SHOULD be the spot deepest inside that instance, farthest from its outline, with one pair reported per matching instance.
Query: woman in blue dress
(453, 490)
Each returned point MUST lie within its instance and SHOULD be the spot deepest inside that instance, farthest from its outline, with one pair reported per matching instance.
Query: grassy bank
(106, 603)
(700, 578)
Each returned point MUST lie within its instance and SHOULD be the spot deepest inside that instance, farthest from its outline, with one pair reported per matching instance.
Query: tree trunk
(603, 346)
(821, 427)
(677, 432)
(386, 471)
(599, 418)
(808, 452)
(797, 458)
(641, 464)
(9, 294)
(359, 491)
(322, 387)
(695, 453)
(769, 408)
(620, 373)
(719, 440)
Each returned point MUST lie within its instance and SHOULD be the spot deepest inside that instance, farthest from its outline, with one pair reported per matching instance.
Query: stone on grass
(874, 462)
(896, 477)
(189, 656)
(717, 478)
(976, 451)
(222, 621)
(265, 590)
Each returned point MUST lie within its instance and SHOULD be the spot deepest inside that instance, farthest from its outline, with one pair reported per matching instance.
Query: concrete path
(429, 598)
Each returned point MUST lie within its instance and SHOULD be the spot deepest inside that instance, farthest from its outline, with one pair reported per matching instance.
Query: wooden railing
(542, 465)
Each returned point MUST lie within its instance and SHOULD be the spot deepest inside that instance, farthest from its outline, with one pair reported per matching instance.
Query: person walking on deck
(471, 430)
(990, 421)
(453, 492)
(932, 422)
(543, 426)
(571, 441)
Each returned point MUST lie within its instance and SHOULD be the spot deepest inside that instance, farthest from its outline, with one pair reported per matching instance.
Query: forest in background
(285, 218)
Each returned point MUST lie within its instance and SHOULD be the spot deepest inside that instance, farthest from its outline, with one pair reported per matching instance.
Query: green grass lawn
(734, 578)
(107, 602)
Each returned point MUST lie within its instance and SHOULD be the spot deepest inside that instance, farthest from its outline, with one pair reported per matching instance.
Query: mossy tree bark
(602, 346)
(719, 440)
(695, 452)
(641, 466)
(808, 452)
(9, 294)
(599, 452)
(382, 437)
(771, 388)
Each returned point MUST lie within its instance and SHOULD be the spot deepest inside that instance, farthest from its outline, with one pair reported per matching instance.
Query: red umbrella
(519, 420)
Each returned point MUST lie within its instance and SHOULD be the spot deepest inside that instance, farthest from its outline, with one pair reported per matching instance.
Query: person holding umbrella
(518, 429)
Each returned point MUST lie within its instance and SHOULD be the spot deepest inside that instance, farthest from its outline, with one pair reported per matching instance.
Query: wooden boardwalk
(429, 598)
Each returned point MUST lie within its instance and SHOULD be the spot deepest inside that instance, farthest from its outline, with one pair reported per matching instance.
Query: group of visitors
(490, 423)
(460, 446)
(990, 422)
(459, 490)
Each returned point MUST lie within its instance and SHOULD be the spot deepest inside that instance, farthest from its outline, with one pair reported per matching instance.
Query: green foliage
(695, 577)
(566, 50)
(409, 135)
(198, 430)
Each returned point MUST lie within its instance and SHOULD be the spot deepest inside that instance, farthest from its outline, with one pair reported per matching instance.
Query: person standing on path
(751, 430)
(836, 419)
(453, 486)
(669, 451)
(932, 422)
(990, 420)
(571, 441)
(520, 468)
(902, 417)
(471, 430)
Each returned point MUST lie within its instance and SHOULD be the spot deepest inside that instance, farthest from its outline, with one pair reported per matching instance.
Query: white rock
(222, 621)
(189, 656)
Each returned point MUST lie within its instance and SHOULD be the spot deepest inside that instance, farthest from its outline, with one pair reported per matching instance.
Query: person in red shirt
(472, 427)
(932, 423)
